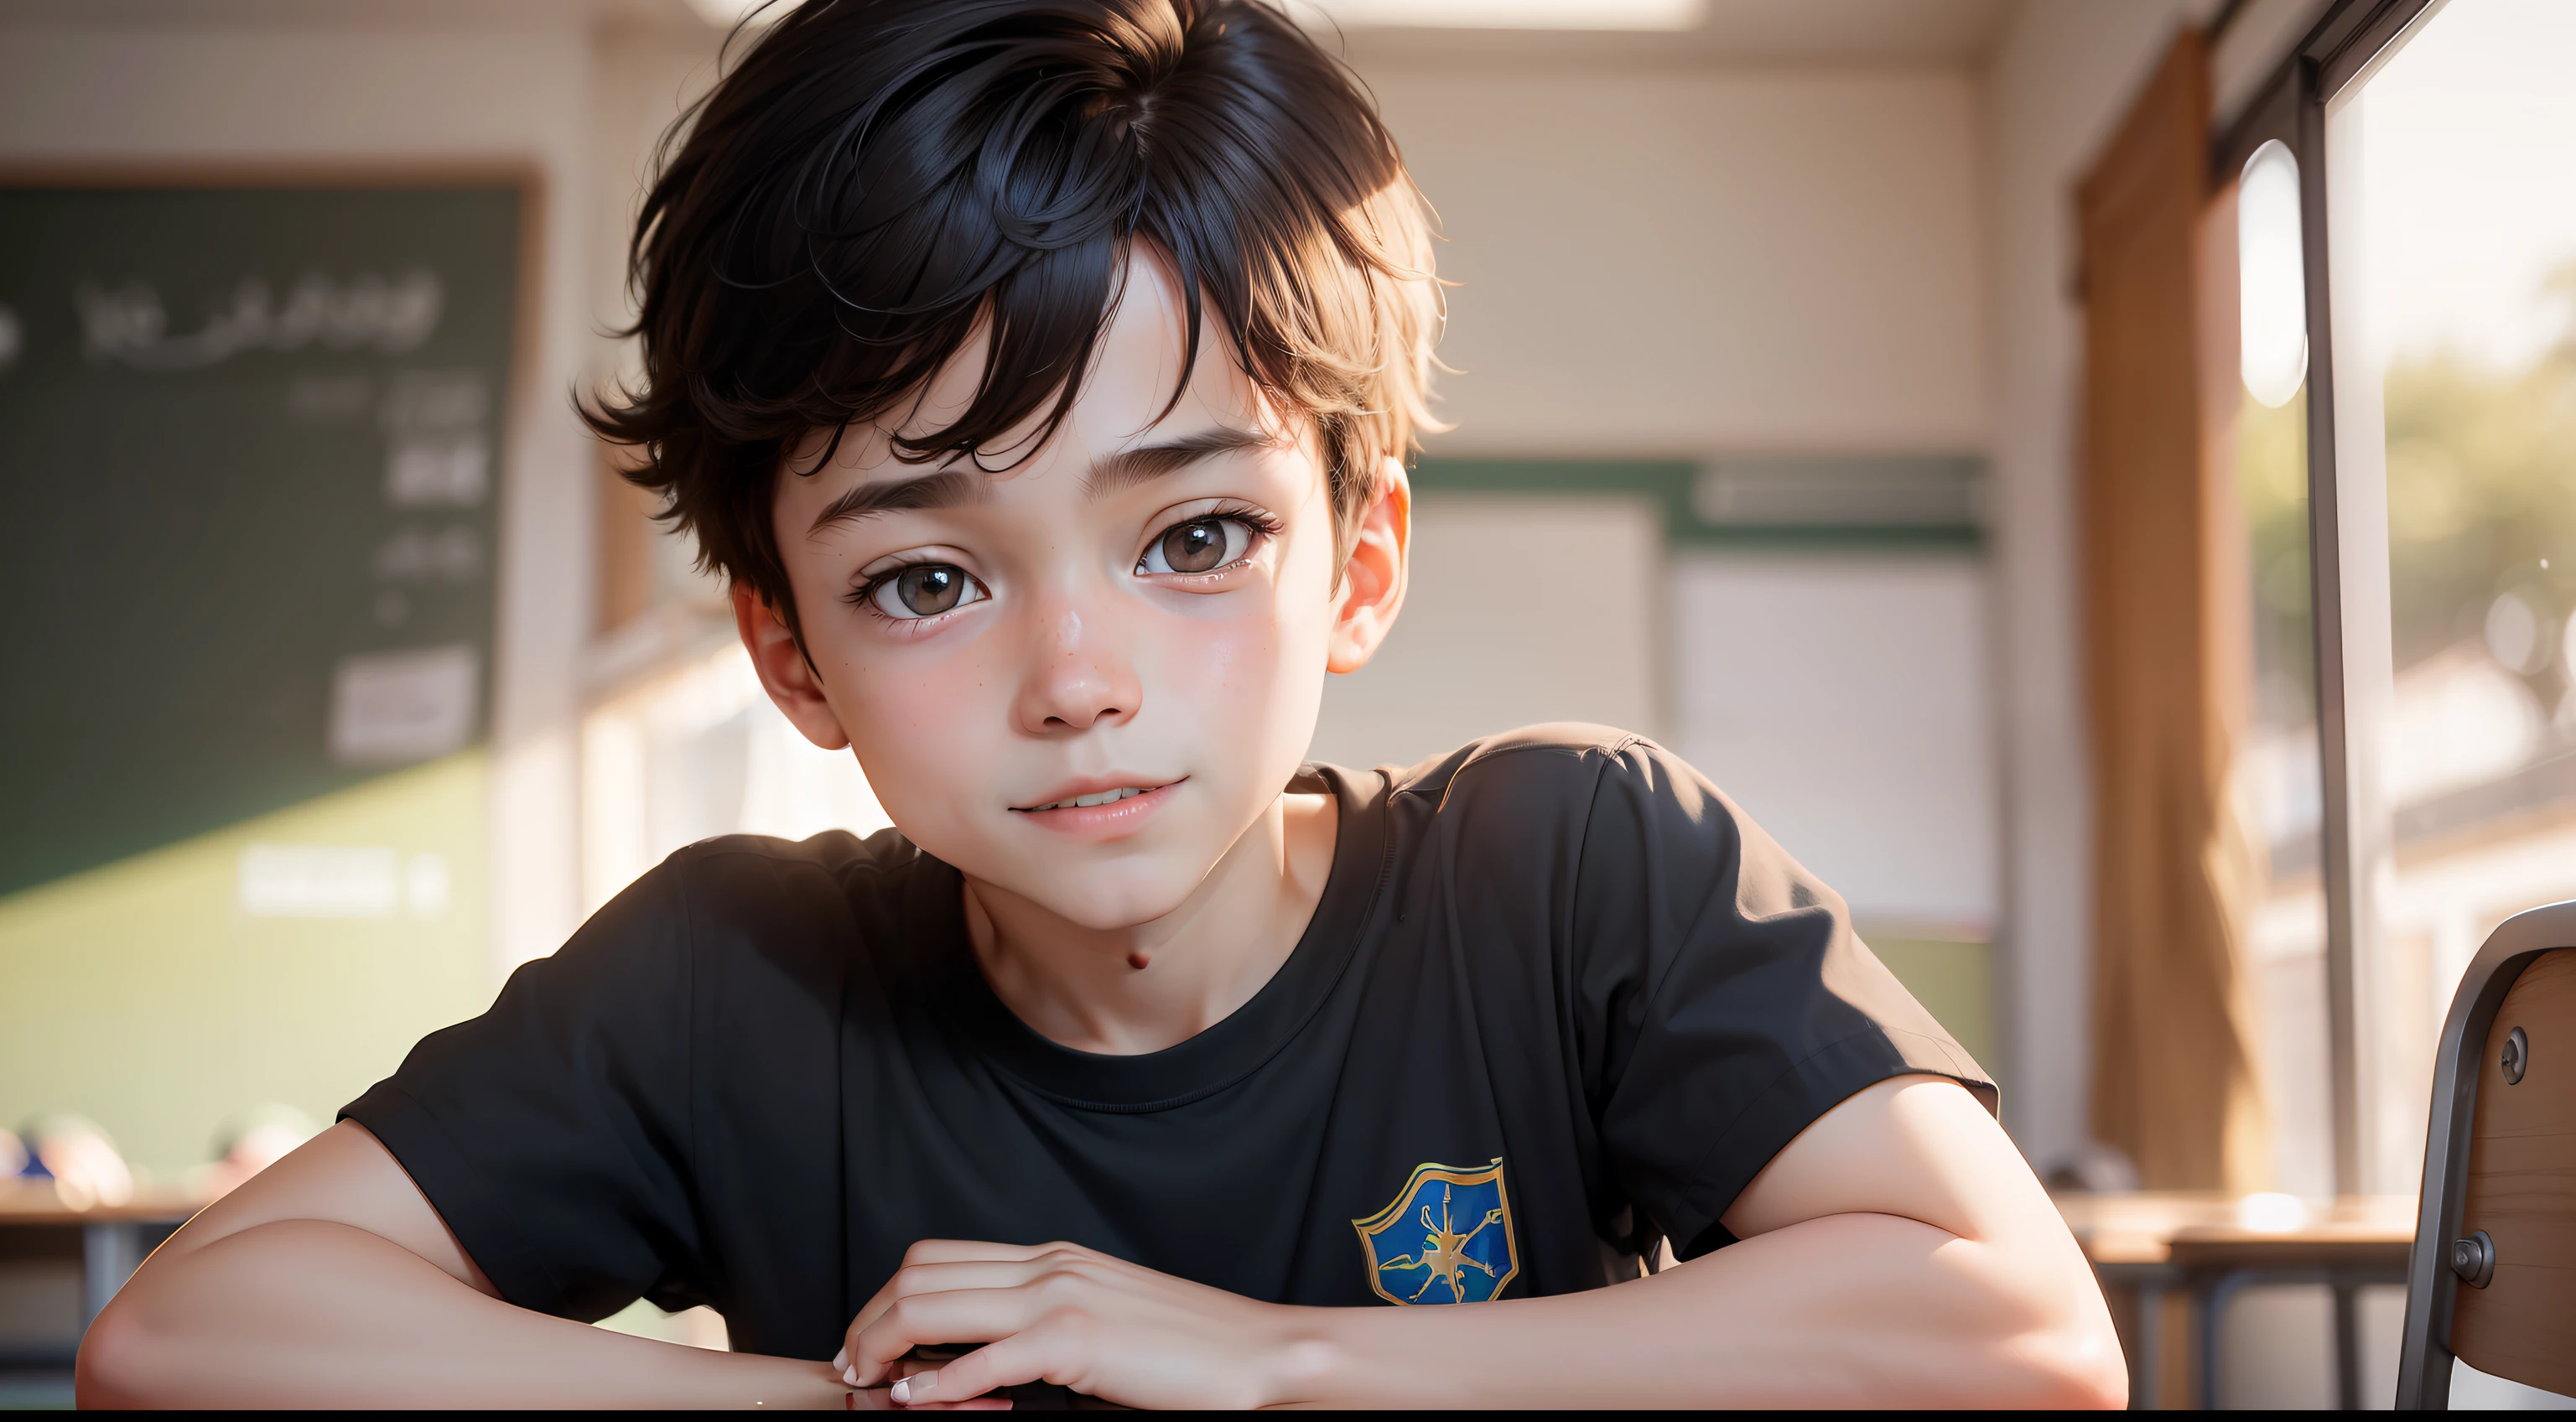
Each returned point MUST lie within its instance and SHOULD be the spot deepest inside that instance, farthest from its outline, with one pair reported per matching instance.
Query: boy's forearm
(302, 1312)
(1845, 1310)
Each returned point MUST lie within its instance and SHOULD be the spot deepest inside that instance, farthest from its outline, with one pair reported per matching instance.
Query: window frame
(2338, 50)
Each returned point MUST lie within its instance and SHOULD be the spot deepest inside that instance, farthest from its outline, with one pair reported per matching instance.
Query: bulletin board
(251, 442)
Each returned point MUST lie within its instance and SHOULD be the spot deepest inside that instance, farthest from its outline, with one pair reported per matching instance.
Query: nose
(1075, 677)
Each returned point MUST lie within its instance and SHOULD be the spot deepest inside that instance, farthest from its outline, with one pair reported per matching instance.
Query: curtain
(2173, 1068)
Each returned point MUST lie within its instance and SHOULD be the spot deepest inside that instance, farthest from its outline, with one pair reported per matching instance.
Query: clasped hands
(1063, 1314)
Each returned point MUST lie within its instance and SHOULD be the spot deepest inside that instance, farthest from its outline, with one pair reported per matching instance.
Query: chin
(1109, 908)
(1118, 898)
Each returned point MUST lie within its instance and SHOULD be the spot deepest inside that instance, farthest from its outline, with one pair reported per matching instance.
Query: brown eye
(1194, 547)
(1198, 546)
(926, 590)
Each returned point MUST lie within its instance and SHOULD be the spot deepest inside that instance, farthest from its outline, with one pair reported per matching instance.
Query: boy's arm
(327, 1279)
(1899, 1251)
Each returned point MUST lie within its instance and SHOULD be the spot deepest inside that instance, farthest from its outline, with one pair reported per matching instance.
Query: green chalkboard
(250, 447)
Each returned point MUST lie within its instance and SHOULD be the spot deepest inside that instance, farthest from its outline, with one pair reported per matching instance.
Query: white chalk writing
(128, 324)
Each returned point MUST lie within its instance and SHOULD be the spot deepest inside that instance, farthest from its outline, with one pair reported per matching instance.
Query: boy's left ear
(1373, 579)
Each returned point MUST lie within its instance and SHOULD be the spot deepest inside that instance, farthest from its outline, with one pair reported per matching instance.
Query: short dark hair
(876, 181)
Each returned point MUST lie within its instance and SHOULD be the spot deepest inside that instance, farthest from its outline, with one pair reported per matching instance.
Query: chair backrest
(2492, 1277)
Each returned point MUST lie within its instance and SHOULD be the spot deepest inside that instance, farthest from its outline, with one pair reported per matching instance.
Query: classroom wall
(1500, 630)
(1701, 262)
(642, 78)
(512, 86)
(1843, 700)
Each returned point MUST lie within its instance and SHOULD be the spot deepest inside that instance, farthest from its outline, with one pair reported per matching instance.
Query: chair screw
(2473, 1259)
(2517, 1056)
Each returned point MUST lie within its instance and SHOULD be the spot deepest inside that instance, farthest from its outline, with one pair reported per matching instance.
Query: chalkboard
(250, 448)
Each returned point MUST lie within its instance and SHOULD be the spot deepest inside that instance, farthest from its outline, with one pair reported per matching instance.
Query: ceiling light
(1513, 14)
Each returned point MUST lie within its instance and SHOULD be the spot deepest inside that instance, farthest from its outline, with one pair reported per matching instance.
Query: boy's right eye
(924, 590)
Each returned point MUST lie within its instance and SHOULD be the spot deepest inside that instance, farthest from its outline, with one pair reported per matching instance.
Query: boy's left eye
(923, 590)
(1201, 545)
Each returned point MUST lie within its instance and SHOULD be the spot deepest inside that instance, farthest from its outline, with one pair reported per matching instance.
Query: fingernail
(915, 1388)
(841, 1359)
(850, 1375)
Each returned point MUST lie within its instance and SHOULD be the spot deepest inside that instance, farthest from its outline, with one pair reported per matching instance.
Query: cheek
(1242, 661)
(918, 725)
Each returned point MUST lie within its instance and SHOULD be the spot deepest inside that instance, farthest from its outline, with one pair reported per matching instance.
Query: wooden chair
(2492, 1277)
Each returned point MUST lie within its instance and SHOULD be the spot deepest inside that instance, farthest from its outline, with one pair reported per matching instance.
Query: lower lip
(1114, 820)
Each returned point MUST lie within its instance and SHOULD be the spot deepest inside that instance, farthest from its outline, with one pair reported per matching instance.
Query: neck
(1142, 988)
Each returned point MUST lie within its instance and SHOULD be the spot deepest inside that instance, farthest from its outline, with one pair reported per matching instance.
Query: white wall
(643, 79)
(515, 92)
(1520, 610)
(1844, 700)
(1704, 261)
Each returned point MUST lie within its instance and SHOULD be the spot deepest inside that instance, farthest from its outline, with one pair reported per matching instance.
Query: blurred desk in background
(2205, 1247)
(59, 1266)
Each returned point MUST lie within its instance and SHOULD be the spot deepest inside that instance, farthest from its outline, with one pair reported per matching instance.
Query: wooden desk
(2210, 1246)
(110, 1242)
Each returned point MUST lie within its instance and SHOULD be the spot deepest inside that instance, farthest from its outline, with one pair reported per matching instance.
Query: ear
(784, 673)
(1372, 590)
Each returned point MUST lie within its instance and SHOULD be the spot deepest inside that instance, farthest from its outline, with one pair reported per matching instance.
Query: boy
(1039, 371)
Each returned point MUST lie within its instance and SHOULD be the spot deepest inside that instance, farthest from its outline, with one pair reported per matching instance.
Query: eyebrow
(952, 488)
(946, 489)
(1130, 467)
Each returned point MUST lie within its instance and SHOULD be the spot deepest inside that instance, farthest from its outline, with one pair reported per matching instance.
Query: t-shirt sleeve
(551, 1133)
(1731, 1002)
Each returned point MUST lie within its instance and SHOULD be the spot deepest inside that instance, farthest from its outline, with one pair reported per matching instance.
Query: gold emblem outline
(1423, 1174)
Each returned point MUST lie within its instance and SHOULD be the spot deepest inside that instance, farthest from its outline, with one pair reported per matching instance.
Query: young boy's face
(1141, 616)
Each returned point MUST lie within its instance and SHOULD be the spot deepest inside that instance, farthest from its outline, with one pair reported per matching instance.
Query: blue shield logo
(1446, 1239)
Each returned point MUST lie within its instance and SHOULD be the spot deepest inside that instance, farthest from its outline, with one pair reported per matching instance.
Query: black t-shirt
(1559, 997)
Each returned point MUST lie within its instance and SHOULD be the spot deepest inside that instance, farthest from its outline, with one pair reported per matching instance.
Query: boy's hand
(1067, 1315)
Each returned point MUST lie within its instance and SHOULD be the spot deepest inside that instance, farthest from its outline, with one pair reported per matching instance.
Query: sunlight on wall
(700, 752)
(292, 958)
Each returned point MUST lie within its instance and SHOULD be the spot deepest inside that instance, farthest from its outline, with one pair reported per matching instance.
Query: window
(2438, 419)
(2453, 235)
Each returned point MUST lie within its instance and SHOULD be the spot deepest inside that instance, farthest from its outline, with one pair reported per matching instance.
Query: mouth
(1101, 810)
(1086, 802)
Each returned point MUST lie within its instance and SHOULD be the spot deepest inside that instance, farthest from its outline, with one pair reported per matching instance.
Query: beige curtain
(2173, 1069)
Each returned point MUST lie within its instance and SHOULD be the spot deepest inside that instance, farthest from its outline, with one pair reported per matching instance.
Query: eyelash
(1267, 525)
